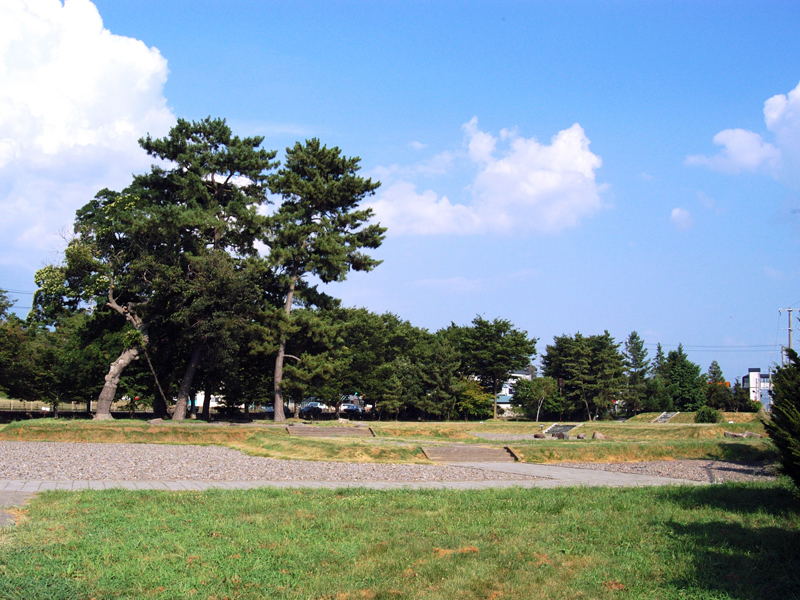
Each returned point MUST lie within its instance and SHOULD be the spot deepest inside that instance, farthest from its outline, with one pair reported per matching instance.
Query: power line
(743, 347)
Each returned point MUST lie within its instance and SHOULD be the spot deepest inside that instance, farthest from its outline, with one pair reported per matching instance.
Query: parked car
(313, 409)
(351, 409)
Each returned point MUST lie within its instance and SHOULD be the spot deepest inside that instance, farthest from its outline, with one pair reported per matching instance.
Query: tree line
(588, 377)
(191, 279)
(188, 279)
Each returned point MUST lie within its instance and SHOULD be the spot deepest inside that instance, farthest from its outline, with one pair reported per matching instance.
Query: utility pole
(786, 354)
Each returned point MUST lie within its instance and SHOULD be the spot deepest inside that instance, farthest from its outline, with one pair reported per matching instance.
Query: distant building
(757, 383)
(504, 397)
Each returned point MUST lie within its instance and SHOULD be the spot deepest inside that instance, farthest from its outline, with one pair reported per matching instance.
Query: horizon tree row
(590, 377)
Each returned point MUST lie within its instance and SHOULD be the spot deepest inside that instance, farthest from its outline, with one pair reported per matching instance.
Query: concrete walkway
(16, 492)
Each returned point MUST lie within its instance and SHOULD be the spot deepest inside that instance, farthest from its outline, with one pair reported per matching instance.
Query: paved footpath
(16, 492)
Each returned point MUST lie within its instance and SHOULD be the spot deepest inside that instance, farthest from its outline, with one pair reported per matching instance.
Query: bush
(708, 414)
(783, 426)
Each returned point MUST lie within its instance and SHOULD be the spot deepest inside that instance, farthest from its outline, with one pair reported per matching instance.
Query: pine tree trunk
(207, 404)
(112, 381)
(186, 384)
(279, 416)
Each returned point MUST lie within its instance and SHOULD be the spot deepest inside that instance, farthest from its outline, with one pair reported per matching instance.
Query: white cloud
(74, 99)
(437, 165)
(772, 273)
(405, 211)
(417, 145)
(527, 187)
(681, 219)
(782, 116)
(744, 150)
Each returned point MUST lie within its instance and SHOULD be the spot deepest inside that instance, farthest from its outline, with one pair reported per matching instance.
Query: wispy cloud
(681, 219)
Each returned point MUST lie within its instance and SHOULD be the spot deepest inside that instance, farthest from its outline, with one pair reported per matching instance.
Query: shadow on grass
(744, 498)
(741, 562)
(748, 452)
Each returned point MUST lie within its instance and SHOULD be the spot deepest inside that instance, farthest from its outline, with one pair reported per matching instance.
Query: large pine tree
(319, 229)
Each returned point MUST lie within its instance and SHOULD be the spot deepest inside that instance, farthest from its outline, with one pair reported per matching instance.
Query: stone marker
(734, 435)
(581, 436)
(599, 436)
(539, 436)
(560, 435)
(155, 421)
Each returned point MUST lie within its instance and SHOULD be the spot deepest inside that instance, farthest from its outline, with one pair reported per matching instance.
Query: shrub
(707, 414)
(783, 425)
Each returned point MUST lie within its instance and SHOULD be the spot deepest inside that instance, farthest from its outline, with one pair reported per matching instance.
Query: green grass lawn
(715, 542)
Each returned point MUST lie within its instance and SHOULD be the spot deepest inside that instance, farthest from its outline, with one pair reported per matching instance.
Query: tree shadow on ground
(748, 452)
(741, 562)
(743, 498)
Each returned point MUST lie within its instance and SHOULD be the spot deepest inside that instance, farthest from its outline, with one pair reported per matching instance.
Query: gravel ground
(711, 471)
(503, 437)
(60, 461)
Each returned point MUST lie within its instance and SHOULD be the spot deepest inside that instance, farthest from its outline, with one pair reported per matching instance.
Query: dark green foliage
(783, 425)
(685, 383)
(637, 369)
(318, 230)
(491, 350)
(531, 395)
(708, 414)
(715, 373)
(591, 369)
(740, 399)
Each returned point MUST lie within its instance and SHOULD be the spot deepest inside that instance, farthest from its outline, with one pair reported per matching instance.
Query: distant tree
(491, 351)
(607, 373)
(715, 373)
(439, 373)
(659, 361)
(637, 369)
(657, 397)
(473, 402)
(373, 343)
(740, 399)
(6, 304)
(318, 229)
(718, 391)
(783, 425)
(531, 394)
(591, 368)
(685, 383)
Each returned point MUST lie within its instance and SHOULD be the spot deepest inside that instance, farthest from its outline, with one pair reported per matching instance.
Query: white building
(757, 383)
(504, 397)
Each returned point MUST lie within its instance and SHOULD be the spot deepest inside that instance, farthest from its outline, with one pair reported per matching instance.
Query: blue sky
(570, 166)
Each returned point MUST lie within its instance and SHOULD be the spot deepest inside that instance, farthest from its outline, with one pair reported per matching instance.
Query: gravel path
(59, 461)
(710, 471)
(503, 437)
